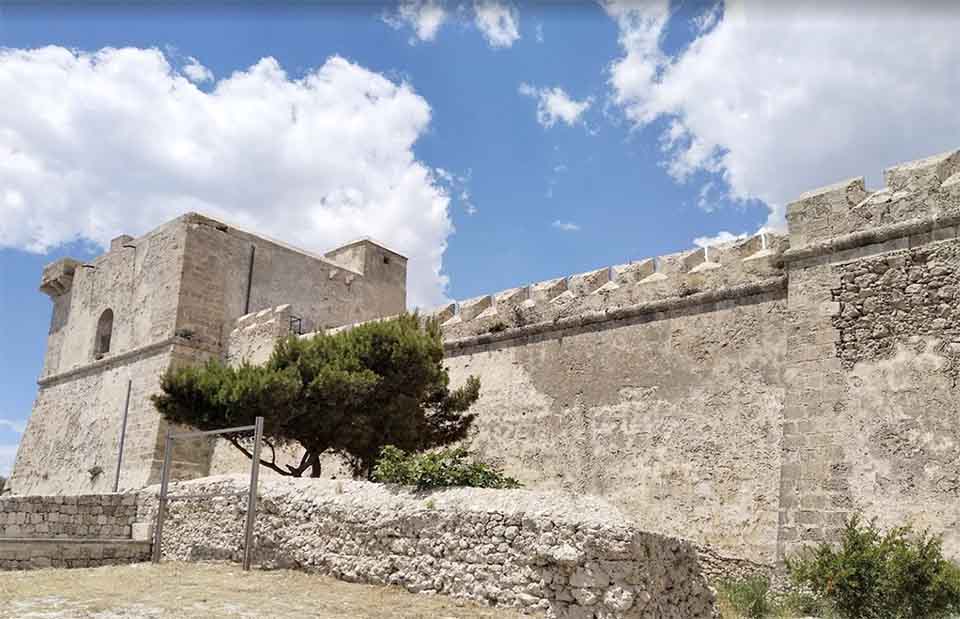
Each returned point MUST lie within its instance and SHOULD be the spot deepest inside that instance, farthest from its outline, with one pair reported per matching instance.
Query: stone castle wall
(748, 397)
(174, 294)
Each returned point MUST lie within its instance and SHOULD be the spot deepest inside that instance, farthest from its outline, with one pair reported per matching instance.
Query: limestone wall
(870, 420)
(80, 516)
(69, 531)
(572, 556)
(674, 416)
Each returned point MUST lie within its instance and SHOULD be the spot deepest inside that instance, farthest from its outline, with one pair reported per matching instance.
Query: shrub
(748, 596)
(870, 574)
(437, 469)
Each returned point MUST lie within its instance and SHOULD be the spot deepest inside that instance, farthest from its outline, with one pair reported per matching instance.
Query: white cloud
(566, 226)
(8, 453)
(13, 425)
(717, 239)
(196, 72)
(97, 144)
(539, 33)
(498, 21)
(779, 98)
(554, 104)
(424, 17)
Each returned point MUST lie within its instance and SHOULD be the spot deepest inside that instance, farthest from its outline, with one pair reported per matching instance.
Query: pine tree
(351, 393)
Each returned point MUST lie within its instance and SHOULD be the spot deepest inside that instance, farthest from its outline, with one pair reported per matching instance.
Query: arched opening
(104, 333)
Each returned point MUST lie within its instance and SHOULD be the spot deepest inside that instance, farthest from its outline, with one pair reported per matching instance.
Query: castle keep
(748, 396)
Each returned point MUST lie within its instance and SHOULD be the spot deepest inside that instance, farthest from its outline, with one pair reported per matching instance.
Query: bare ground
(214, 590)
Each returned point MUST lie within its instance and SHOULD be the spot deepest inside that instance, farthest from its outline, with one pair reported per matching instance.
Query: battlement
(925, 189)
(611, 288)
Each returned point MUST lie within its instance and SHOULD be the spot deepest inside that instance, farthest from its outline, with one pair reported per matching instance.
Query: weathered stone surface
(572, 556)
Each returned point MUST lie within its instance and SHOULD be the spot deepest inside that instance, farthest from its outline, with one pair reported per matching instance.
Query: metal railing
(257, 429)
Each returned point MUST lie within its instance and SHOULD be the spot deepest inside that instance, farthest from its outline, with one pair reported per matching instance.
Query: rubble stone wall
(572, 556)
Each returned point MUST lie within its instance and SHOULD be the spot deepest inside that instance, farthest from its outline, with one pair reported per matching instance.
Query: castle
(748, 396)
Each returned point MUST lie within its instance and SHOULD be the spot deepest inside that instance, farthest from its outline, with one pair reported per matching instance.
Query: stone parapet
(925, 189)
(700, 274)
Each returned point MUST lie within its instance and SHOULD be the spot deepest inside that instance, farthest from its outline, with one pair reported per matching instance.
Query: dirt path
(214, 590)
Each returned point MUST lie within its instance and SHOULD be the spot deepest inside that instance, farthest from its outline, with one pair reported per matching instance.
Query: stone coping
(772, 284)
(881, 234)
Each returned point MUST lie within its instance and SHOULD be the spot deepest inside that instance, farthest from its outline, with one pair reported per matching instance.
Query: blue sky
(496, 144)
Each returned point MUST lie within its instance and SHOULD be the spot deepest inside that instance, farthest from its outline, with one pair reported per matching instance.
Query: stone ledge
(143, 351)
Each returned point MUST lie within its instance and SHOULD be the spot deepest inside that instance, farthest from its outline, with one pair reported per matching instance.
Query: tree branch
(270, 465)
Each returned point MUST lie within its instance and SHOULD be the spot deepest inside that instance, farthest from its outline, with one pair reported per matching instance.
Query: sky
(493, 143)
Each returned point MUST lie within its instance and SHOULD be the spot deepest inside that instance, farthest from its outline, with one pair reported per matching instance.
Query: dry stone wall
(568, 555)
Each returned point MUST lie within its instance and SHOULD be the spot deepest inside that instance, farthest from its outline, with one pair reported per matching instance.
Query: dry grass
(214, 590)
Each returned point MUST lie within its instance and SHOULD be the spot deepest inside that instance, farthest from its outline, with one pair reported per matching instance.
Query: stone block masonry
(76, 516)
(574, 557)
(69, 531)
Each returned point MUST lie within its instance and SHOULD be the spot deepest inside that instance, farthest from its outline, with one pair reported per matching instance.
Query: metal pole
(253, 254)
(164, 480)
(123, 436)
(252, 500)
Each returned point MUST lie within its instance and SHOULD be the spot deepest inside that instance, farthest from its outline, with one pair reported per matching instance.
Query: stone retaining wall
(83, 516)
(32, 553)
(571, 556)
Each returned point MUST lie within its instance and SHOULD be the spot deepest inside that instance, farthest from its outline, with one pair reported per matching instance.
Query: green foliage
(748, 597)
(900, 574)
(352, 392)
(438, 469)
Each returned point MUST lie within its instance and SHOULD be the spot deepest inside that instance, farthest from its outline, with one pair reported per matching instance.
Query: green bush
(748, 597)
(900, 574)
(437, 469)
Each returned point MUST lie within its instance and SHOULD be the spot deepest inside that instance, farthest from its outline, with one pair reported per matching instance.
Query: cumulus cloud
(499, 22)
(424, 17)
(554, 104)
(778, 98)
(97, 144)
(196, 72)
(566, 226)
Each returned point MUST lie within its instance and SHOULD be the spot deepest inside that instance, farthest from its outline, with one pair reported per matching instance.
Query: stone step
(19, 553)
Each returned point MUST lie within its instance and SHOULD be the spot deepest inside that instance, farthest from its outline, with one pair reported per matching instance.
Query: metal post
(252, 500)
(123, 436)
(253, 254)
(164, 480)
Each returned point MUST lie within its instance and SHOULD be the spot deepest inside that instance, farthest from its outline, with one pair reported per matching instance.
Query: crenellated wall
(748, 396)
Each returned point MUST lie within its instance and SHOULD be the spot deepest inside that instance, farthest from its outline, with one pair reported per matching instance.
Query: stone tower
(161, 299)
